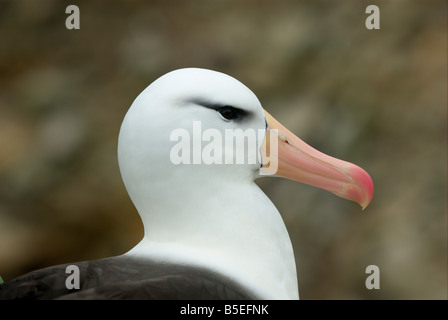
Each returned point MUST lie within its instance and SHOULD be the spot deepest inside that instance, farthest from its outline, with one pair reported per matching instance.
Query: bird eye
(228, 113)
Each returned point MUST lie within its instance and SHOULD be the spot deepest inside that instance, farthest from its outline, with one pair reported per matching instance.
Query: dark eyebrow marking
(218, 106)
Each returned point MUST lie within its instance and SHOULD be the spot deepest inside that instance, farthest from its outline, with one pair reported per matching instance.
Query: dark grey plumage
(126, 278)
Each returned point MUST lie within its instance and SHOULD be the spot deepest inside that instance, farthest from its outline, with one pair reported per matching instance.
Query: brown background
(376, 98)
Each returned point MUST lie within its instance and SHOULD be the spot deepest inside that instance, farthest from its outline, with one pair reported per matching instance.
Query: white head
(185, 99)
(214, 214)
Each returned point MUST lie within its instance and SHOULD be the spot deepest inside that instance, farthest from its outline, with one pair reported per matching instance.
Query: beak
(285, 155)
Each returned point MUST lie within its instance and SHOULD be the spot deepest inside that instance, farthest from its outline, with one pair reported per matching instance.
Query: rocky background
(377, 98)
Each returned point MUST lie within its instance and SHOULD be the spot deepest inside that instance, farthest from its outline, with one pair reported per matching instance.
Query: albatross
(209, 231)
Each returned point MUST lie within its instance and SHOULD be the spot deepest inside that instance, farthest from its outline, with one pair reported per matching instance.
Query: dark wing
(125, 278)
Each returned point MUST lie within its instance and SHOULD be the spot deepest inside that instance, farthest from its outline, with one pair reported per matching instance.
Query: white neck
(231, 228)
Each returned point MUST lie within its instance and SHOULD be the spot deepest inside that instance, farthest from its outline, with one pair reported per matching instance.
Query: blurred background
(377, 98)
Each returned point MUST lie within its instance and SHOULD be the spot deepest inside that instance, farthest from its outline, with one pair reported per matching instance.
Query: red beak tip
(366, 185)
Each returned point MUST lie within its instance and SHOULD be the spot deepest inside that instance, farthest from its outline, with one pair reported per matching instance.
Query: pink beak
(292, 158)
